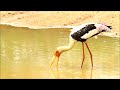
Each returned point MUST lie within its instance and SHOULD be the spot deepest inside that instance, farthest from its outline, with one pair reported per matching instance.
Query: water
(26, 53)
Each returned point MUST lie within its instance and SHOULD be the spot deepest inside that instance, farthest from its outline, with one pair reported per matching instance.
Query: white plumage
(81, 33)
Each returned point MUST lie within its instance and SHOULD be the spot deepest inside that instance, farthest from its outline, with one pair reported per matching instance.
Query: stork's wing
(84, 32)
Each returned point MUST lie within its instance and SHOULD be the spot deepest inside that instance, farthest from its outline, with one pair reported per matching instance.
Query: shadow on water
(26, 53)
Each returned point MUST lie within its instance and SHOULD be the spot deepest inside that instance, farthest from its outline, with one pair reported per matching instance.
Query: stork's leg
(90, 53)
(83, 54)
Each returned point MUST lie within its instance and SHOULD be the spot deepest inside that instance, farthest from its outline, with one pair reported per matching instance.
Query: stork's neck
(66, 48)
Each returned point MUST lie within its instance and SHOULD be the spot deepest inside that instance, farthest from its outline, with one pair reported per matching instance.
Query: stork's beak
(55, 57)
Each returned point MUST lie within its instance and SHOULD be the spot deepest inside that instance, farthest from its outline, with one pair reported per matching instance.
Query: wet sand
(60, 19)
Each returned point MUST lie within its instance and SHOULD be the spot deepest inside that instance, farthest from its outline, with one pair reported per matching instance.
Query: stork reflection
(55, 73)
(87, 74)
(83, 73)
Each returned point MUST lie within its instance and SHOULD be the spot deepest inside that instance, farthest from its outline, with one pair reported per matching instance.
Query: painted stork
(81, 33)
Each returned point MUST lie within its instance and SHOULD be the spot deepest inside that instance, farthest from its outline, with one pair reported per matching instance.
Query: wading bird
(81, 34)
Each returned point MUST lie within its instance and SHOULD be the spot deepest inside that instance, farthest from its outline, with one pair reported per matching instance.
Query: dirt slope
(43, 19)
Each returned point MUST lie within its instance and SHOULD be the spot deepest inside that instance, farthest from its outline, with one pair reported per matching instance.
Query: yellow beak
(53, 59)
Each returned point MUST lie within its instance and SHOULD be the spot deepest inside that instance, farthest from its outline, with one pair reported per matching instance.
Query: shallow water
(26, 53)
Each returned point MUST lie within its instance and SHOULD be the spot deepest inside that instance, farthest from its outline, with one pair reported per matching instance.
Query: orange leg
(83, 54)
(90, 53)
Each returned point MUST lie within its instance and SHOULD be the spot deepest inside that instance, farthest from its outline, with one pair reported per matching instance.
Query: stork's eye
(56, 52)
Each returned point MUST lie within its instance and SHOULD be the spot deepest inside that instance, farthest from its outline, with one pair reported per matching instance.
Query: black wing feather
(77, 35)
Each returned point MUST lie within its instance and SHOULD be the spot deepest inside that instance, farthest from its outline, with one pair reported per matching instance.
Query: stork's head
(59, 51)
(103, 27)
(56, 55)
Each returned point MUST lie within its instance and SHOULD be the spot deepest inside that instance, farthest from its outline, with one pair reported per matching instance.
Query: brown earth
(66, 19)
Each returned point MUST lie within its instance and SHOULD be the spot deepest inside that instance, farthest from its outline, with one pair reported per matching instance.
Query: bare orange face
(57, 53)
(55, 57)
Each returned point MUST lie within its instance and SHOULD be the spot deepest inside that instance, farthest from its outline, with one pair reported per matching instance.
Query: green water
(26, 53)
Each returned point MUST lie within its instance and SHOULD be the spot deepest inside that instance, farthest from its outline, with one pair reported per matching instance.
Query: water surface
(26, 53)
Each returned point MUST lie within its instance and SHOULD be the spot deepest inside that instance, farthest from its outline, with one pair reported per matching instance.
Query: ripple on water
(27, 53)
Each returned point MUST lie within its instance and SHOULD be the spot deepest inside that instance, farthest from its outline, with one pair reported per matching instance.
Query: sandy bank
(57, 19)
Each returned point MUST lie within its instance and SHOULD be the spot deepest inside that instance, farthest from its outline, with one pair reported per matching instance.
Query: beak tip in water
(53, 58)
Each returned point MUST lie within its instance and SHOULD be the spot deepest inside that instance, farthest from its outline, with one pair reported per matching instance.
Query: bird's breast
(77, 36)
